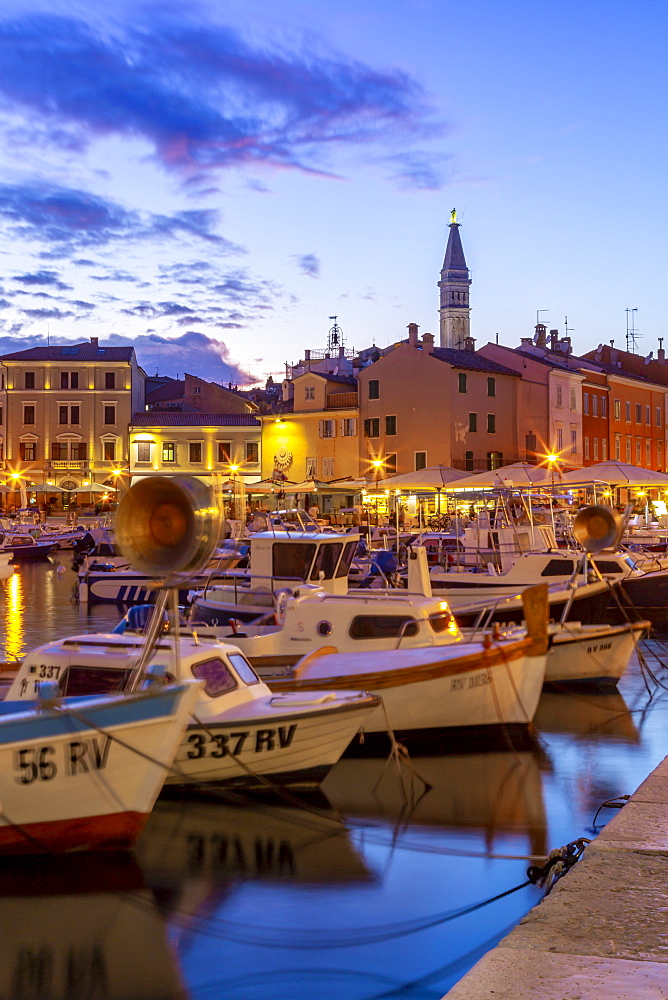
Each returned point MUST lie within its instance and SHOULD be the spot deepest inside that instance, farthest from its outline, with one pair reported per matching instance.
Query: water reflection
(14, 614)
(82, 927)
(588, 713)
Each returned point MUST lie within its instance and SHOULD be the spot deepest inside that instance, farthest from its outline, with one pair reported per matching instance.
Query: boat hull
(596, 654)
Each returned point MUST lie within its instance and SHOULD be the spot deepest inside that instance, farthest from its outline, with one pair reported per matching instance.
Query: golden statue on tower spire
(453, 217)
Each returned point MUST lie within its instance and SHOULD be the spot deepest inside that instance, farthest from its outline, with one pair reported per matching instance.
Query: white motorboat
(241, 732)
(84, 773)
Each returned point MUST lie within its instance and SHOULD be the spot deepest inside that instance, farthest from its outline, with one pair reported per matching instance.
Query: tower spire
(454, 310)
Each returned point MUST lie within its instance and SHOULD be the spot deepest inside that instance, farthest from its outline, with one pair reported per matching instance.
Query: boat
(23, 547)
(241, 733)
(83, 773)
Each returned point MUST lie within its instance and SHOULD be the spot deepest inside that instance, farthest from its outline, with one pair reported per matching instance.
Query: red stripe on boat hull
(112, 832)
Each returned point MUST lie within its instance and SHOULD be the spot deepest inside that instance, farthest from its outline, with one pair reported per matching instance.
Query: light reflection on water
(362, 895)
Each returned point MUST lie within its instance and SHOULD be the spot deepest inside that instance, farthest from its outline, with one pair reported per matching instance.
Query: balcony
(68, 463)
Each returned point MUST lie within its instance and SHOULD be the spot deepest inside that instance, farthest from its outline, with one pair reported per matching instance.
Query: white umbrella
(435, 477)
(44, 488)
(615, 474)
(92, 488)
(519, 474)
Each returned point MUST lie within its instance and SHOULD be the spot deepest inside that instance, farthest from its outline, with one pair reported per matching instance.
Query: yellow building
(66, 412)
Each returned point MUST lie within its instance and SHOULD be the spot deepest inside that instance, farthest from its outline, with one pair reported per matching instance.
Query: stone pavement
(603, 930)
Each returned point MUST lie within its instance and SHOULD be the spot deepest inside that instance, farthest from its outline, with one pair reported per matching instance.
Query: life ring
(281, 606)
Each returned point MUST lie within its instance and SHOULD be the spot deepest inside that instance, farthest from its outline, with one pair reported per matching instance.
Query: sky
(211, 182)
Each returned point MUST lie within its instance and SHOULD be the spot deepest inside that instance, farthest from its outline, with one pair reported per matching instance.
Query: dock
(602, 931)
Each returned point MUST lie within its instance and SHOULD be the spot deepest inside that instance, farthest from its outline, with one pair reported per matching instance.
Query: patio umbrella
(44, 488)
(270, 486)
(516, 475)
(434, 477)
(615, 474)
(92, 488)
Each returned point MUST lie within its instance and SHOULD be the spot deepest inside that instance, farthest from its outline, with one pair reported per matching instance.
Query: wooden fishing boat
(84, 773)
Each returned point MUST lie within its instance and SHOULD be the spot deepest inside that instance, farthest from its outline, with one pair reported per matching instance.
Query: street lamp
(377, 464)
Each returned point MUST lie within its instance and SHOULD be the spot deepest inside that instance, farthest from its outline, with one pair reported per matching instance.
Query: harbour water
(383, 886)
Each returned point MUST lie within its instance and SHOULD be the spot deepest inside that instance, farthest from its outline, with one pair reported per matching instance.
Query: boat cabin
(285, 558)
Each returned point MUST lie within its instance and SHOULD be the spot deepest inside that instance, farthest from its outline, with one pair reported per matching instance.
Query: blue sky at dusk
(211, 182)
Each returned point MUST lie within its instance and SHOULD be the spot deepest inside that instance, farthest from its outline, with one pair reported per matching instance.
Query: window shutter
(322, 428)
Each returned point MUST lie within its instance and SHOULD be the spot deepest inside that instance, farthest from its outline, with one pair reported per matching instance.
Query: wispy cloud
(201, 95)
(308, 263)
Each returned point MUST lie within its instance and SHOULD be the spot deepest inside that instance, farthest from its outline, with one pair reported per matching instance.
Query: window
(468, 461)
(195, 451)
(311, 468)
(29, 414)
(391, 464)
(27, 451)
(109, 414)
(382, 626)
(328, 428)
(628, 449)
(420, 460)
(530, 444)
(617, 409)
(658, 417)
(648, 414)
(348, 427)
(64, 380)
(648, 453)
(74, 415)
(109, 380)
(309, 392)
(558, 567)
(596, 449)
(638, 412)
(252, 452)
(290, 559)
(143, 451)
(74, 380)
(109, 451)
(585, 402)
(327, 470)
(638, 450)
(197, 390)
(224, 451)
(604, 406)
(216, 675)
(574, 399)
(494, 459)
(58, 451)
(243, 668)
(372, 427)
(618, 447)
(560, 396)
(594, 405)
(390, 425)
(461, 378)
(28, 380)
(491, 423)
(473, 422)
(560, 438)
(574, 442)
(374, 388)
(627, 408)
(659, 455)
(168, 451)
(0, 413)
(604, 449)
(78, 451)
(491, 387)
(586, 444)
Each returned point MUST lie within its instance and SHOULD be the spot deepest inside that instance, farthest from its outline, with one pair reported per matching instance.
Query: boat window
(216, 676)
(243, 668)
(443, 623)
(609, 566)
(382, 626)
(346, 559)
(292, 560)
(326, 560)
(80, 680)
(2, 537)
(558, 567)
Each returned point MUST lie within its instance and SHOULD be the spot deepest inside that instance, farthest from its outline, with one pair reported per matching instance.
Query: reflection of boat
(85, 773)
(603, 713)
(75, 929)
(217, 839)
(495, 793)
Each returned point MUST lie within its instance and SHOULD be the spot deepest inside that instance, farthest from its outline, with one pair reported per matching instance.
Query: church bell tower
(454, 310)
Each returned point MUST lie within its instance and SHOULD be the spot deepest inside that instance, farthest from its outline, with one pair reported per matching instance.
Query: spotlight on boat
(167, 524)
(597, 527)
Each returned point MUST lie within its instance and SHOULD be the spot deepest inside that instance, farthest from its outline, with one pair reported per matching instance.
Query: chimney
(540, 337)
(307, 355)
(526, 342)
(413, 334)
(94, 341)
(661, 354)
(554, 340)
(428, 343)
(342, 351)
(468, 344)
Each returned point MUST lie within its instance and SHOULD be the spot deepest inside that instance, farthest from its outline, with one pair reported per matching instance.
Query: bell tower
(454, 309)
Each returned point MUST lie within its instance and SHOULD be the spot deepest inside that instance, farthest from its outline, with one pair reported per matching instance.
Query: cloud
(199, 94)
(78, 219)
(308, 263)
(49, 278)
(193, 352)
